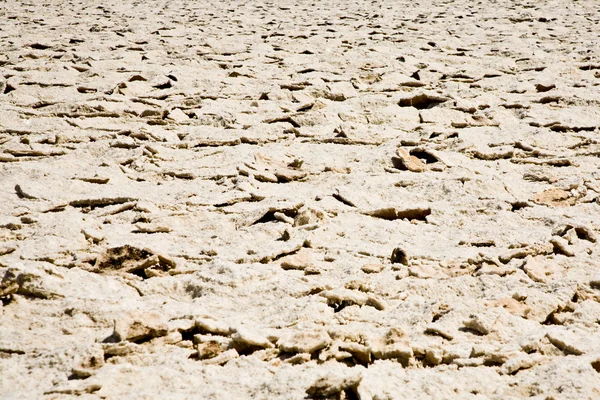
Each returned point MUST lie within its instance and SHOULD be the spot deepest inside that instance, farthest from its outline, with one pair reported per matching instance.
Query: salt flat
(289, 200)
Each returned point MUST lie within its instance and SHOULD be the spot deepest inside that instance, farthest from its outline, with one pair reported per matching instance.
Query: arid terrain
(300, 199)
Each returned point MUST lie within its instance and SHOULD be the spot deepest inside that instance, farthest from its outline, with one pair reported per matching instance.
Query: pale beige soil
(300, 199)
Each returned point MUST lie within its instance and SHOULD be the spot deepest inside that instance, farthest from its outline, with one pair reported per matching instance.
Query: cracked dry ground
(363, 200)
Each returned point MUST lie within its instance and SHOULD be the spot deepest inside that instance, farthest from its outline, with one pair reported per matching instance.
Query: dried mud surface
(288, 200)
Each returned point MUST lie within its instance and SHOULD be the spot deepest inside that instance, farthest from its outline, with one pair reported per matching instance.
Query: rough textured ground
(287, 200)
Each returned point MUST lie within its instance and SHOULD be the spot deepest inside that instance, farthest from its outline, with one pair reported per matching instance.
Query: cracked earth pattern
(290, 200)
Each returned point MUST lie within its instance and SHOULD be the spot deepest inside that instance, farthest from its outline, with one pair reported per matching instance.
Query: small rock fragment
(93, 235)
(513, 306)
(209, 349)
(522, 252)
(582, 232)
(478, 324)
(554, 197)
(177, 115)
(96, 179)
(405, 161)
(541, 88)
(372, 268)
(561, 246)
(499, 153)
(358, 351)
(147, 207)
(424, 271)
(206, 325)
(26, 284)
(138, 328)
(541, 269)
(80, 373)
(399, 351)
(121, 349)
(329, 386)
(438, 330)
(468, 362)
(132, 260)
(342, 298)
(312, 270)
(393, 213)
(245, 341)
(223, 358)
(566, 341)
(421, 101)
(289, 175)
(299, 261)
(152, 228)
(283, 218)
(434, 356)
(298, 359)
(522, 361)
(304, 342)
(309, 215)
